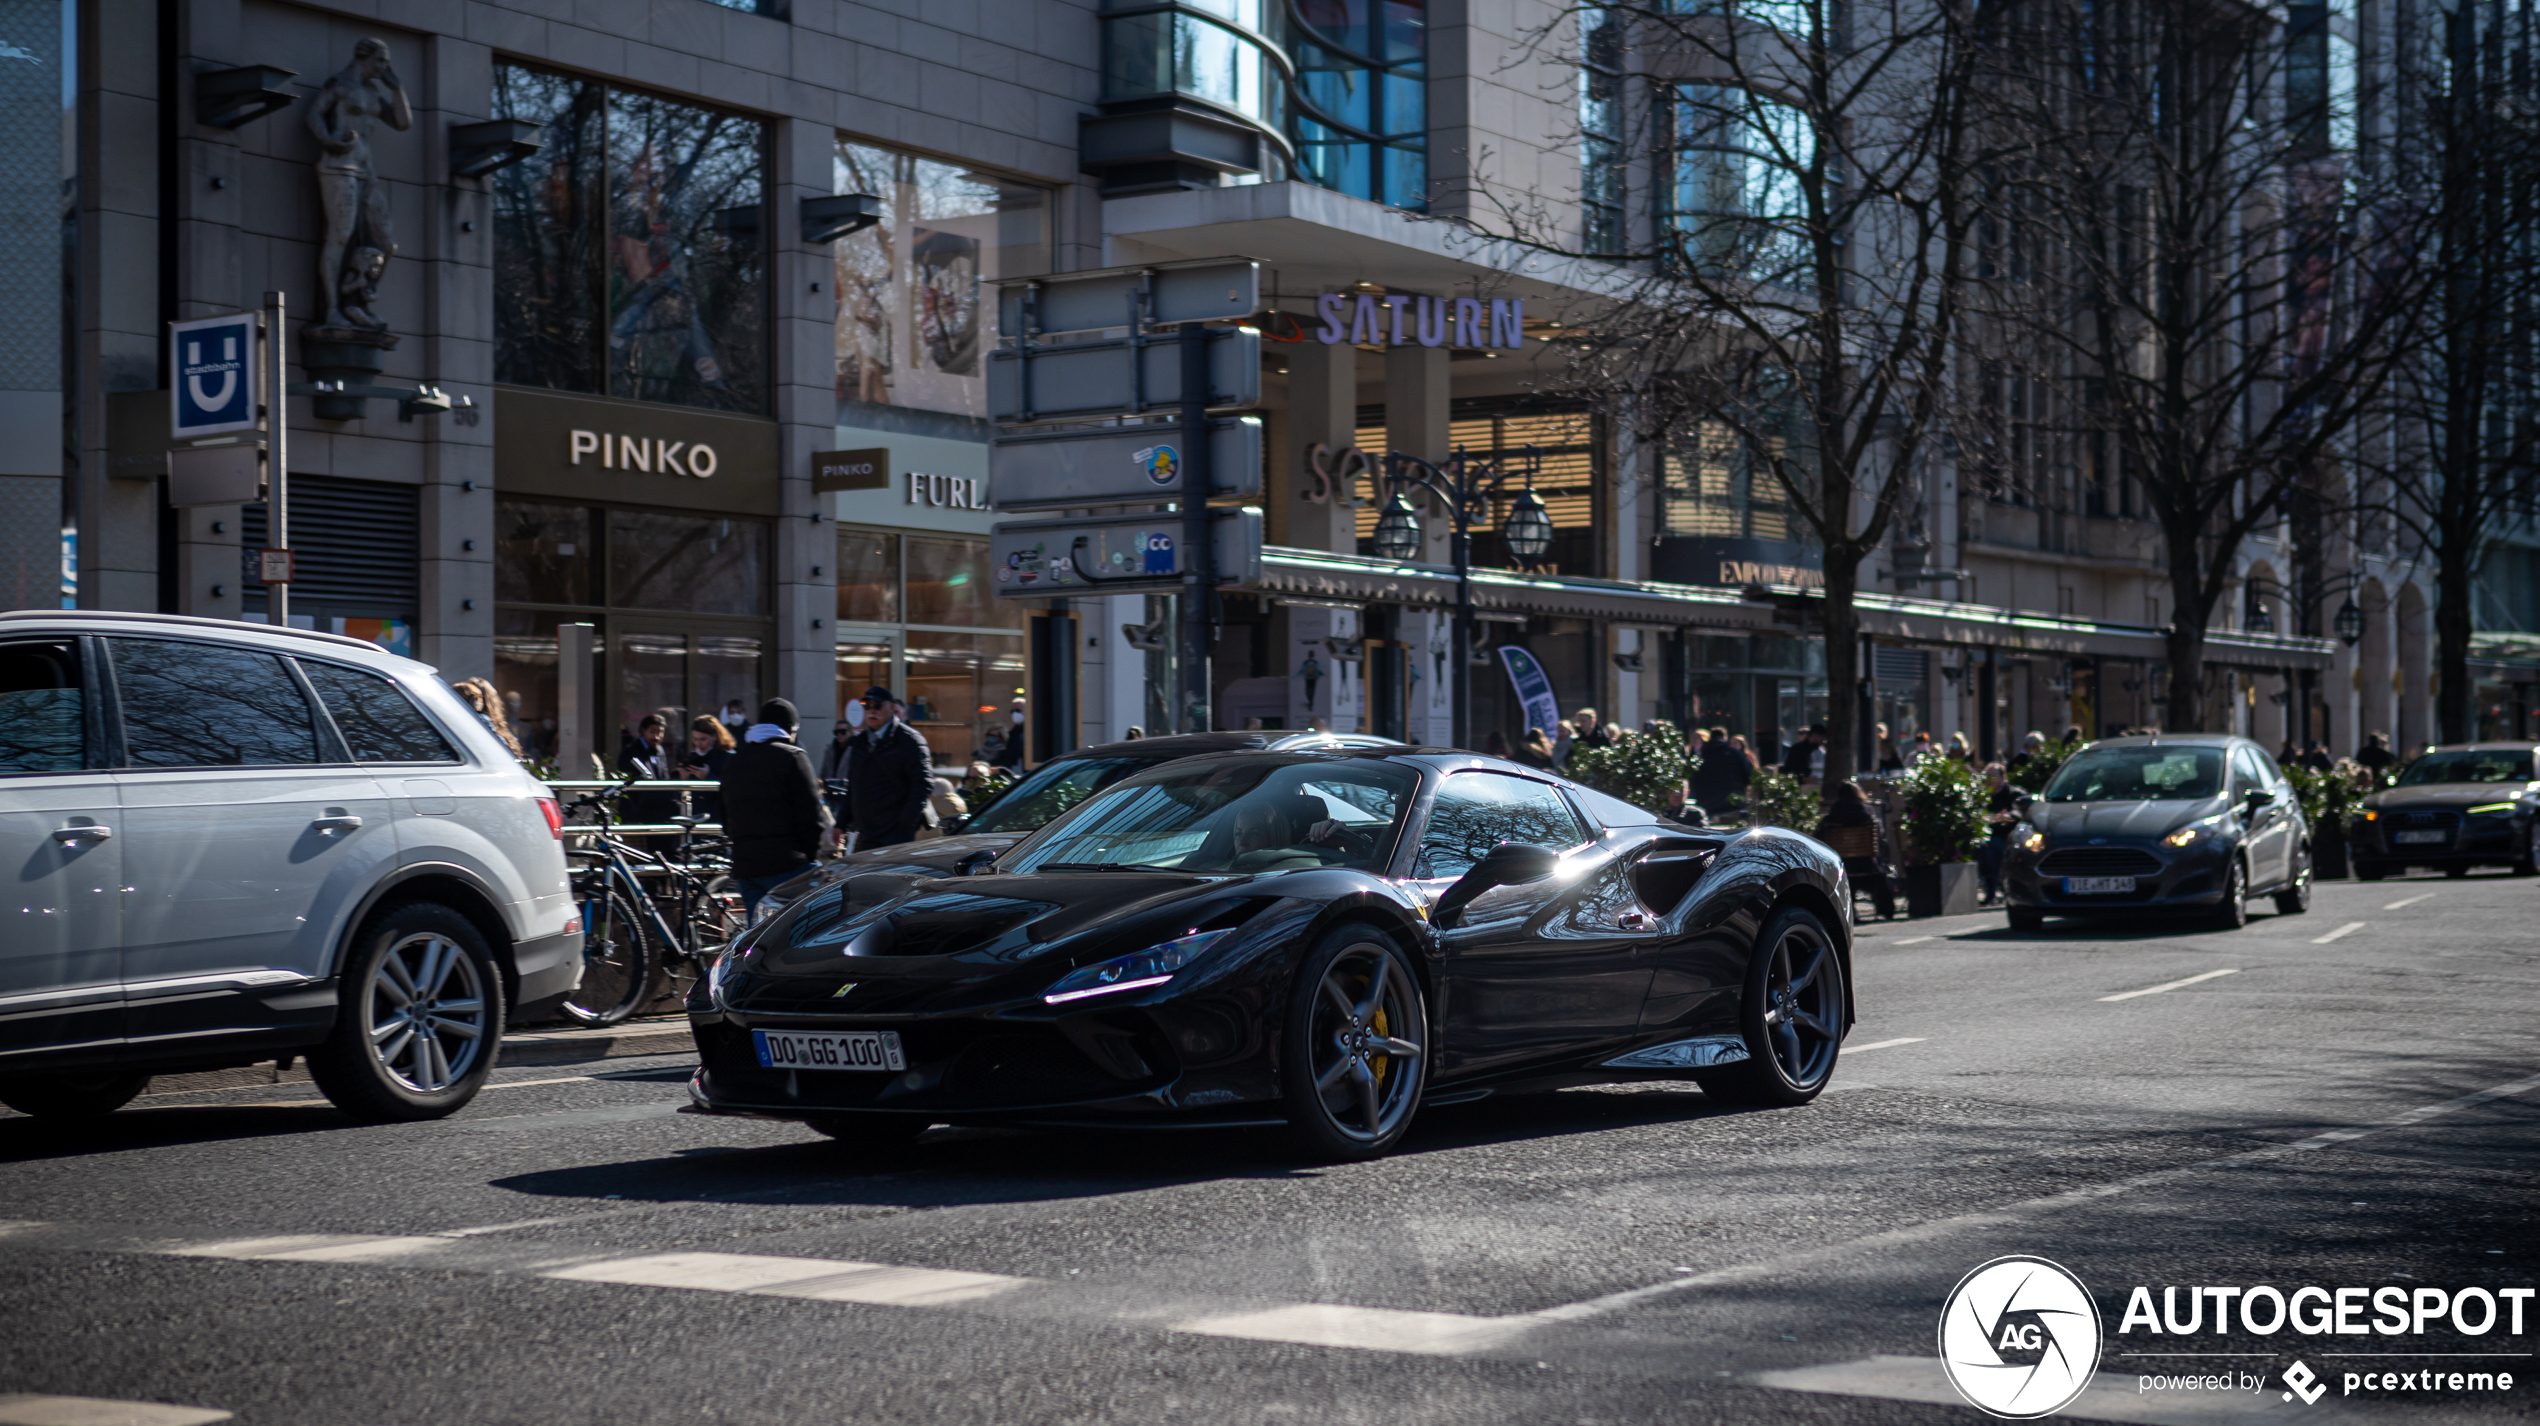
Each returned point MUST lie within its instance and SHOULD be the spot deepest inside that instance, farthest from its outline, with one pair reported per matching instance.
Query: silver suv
(222, 844)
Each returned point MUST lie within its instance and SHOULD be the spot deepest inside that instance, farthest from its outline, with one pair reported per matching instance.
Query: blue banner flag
(1534, 688)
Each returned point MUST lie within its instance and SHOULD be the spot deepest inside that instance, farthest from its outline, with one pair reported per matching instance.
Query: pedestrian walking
(890, 775)
(1536, 751)
(1721, 781)
(2375, 757)
(771, 805)
(2001, 809)
(1890, 758)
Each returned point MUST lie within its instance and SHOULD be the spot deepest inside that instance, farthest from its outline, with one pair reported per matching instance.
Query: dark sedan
(2454, 808)
(2196, 822)
(1321, 940)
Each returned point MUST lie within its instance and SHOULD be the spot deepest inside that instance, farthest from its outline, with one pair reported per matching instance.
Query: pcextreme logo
(2019, 1337)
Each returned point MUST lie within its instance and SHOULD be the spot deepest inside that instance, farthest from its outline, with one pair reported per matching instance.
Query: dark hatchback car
(2171, 822)
(1046, 791)
(1320, 940)
(2454, 808)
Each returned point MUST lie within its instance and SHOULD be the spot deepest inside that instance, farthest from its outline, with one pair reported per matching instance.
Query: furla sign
(602, 451)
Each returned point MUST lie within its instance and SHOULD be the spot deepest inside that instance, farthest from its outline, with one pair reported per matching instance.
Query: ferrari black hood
(890, 925)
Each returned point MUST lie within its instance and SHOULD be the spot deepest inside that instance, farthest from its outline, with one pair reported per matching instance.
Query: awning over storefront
(1361, 579)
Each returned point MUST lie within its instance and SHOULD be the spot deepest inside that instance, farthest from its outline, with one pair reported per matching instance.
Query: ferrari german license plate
(2098, 885)
(847, 1050)
(2435, 836)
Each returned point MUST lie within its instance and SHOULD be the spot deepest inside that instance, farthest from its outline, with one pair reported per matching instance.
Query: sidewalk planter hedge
(1643, 769)
(1942, 889)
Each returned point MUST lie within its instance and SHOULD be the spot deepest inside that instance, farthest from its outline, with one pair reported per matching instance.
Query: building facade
(711, 289)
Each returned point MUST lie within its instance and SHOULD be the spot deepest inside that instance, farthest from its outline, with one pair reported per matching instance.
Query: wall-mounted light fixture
(832, 216)
(478, 149)
(231, 98)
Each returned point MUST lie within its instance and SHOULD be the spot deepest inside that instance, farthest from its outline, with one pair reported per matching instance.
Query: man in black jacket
(889, 774)
(771, 804)
(1723, 776)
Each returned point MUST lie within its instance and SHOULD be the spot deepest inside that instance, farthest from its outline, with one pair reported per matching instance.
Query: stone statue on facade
(360, 236)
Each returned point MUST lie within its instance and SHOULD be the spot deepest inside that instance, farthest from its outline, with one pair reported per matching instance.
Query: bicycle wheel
(707, 923)
(617, 960)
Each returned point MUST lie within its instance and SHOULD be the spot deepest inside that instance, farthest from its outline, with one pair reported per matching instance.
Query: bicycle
(630, 940)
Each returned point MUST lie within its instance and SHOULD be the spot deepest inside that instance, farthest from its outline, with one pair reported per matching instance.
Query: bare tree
(2199, 272)
(2462, 453)
(1802, 268)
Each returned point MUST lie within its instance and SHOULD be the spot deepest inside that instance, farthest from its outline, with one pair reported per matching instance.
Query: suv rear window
(379, 722)
(41, 727)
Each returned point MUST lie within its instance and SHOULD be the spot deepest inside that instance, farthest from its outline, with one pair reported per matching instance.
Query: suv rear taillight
(548, 809)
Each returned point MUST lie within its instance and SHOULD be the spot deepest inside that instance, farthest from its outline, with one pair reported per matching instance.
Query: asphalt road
(2342, 1099)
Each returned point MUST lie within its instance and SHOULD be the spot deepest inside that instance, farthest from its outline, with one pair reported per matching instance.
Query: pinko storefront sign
(1400, 319)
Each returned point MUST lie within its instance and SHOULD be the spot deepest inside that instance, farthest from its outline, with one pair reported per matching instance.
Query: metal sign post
(277, 471)
(1199, 568)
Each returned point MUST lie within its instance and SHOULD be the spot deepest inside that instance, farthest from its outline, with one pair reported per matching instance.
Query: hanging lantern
(1398, 529)
(2350, 622)
(1528, 529)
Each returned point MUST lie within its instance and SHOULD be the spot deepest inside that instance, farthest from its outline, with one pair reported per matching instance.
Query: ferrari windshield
(2469, 765)
(2144, 773)
(1259, 814)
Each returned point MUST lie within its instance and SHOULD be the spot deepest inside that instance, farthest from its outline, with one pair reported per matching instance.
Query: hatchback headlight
(2193, 832)
(1153, 966)
(2027, 838)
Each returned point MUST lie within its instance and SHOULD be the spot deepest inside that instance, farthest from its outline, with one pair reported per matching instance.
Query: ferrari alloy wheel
(419, 1019)
(2233, 912)
(1357, 1042)
(2295, 897)
(1793, 1016)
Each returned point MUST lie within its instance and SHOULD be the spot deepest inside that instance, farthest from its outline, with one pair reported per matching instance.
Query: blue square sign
(213, 368)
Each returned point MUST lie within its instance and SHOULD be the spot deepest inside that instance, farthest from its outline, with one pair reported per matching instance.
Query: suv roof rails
(189, 620)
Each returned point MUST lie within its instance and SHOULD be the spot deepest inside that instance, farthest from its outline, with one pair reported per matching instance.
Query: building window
(916, 313)
(630, 253)
(918, 614)
(1362, 107)
(1569, 456)
(1222, 52)
(1735, 203)
(1718, 480)
(1601, 129)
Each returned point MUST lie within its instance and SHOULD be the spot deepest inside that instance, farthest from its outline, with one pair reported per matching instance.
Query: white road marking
(2008, 1216)
(97, 1411)
(2410, 900)
(1885, 1044)
(2173, 985)
(2108, 1397)
(1916, 940)
(2348, 929)
(1380, 1329)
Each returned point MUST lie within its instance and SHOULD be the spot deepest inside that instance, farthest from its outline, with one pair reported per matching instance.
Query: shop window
(916, 317)
(727, 674)
(868, 578)
(862, 666)
(948, 583)
(630, 252)
(693, 564)
(543, 553)
(525, 675)
(961, 692)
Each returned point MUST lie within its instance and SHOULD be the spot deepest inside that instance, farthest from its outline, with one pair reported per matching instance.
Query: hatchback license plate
(848, 1050)
(2097, 885)
(2435, 836)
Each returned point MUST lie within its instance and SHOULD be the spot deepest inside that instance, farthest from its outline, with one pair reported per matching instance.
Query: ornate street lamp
(1528, 529)
(2350, 622)
(1464, 488)
(1398, 529)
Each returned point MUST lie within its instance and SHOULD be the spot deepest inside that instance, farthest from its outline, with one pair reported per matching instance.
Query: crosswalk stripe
(1380, 1329)
(24, 1410)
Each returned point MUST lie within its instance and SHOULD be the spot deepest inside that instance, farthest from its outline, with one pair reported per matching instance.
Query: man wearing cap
(771, 804)
(890, 772)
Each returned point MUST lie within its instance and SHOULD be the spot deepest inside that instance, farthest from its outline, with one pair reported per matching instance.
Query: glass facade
(1362, 97)
(1734, 203)
(1223, 52)
(679, 603)
(916, 614)
(1601, 130)
(916, 313)
(630, 253)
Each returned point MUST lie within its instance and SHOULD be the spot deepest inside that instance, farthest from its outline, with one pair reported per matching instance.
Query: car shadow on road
(959, 1166)
(159, 1126)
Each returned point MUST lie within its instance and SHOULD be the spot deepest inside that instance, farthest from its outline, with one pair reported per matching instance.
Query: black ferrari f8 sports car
(1324, 940)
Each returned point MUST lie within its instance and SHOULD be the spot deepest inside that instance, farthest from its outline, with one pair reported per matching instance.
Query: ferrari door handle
(344, 823)
(81, 834)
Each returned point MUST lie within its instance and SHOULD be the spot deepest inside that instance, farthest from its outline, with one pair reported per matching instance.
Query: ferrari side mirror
(975, 864)
(1508, 864)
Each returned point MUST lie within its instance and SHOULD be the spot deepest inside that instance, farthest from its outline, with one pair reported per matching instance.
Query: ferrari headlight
(1153, 966)
(2489, 809)
(719, 976)
(2027, 838)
